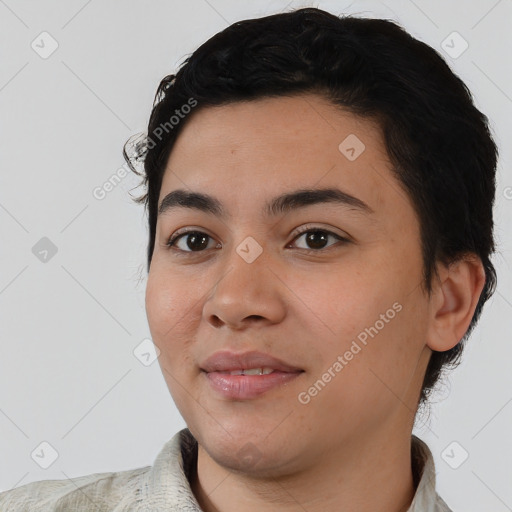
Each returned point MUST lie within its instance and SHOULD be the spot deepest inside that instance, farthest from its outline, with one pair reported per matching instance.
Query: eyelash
(306, 229)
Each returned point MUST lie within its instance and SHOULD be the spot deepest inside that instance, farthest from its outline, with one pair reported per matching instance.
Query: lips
(227, 361)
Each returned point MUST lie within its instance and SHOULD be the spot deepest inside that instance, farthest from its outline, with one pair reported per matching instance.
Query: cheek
(345, 302)
(168, 303)
(370, 316)
(170, 314)
(393, 337)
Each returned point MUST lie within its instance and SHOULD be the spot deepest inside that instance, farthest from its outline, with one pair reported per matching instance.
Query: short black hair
(439, 143)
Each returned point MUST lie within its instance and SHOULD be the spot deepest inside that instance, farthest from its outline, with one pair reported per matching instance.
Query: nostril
(216, 321)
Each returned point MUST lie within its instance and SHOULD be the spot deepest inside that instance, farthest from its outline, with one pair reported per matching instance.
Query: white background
(69, 326)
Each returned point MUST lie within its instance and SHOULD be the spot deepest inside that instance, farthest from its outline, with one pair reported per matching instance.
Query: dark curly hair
(438, 141)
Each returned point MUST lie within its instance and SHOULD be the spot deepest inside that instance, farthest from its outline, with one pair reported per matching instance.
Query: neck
(368, 475)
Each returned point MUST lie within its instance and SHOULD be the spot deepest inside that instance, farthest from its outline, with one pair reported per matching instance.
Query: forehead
(269, 146)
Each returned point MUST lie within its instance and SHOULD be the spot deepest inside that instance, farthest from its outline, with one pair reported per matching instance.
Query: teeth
(251, 371)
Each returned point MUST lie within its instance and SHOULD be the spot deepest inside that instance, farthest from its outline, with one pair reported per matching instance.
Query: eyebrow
(279, 205)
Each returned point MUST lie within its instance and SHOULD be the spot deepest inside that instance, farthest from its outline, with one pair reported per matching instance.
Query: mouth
(248, 362)
(243, 376)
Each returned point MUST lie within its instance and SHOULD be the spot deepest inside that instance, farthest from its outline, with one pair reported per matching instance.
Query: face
(330, 287)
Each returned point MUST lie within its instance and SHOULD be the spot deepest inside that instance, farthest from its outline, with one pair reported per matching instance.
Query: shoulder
(98, 491)
(163, 486)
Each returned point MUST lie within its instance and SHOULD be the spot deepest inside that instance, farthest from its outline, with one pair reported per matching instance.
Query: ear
(453, 302)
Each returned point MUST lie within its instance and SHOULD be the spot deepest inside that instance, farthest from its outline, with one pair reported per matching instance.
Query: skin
(349, 447)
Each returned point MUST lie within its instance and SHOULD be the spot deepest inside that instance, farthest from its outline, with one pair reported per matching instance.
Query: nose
(247, 293)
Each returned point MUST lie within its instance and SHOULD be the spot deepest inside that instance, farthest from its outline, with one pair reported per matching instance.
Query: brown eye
(316, 239)
(195, 241)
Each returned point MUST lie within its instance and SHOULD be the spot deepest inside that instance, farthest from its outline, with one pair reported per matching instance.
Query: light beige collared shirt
(165, 486)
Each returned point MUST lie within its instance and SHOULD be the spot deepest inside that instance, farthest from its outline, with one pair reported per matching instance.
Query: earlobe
(454, 301)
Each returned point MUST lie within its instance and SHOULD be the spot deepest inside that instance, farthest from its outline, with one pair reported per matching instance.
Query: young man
(319, 194)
